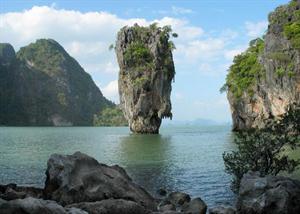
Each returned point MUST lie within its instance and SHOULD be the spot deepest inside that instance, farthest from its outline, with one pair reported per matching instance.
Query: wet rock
(270, 194)
(167, 207)
(111, 206)
(195, 206)
(178, 198)
(32, 206)
(79, 178)
(12, 191)
(145, 81)
(222, 209)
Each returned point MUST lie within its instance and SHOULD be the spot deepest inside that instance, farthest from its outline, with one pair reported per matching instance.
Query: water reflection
(149, 161)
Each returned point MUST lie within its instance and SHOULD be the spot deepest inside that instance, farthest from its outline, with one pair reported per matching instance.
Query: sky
(211, 33)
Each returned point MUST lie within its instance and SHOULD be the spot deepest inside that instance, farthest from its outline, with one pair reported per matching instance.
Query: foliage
(45, 55)
(263, 150)
(245, 70)
(137, 54)
(139, 58)
(280, 72)
(110, 117)
(140, 81)
(292, 27)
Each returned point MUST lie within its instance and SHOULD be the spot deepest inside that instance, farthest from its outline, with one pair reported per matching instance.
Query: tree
(264, 150)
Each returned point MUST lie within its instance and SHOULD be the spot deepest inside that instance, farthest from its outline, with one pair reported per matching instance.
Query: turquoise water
(184, 158)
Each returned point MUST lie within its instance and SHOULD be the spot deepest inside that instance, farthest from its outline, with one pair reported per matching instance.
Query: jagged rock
(166, 205)
(195, 206)
(222, 209)
(268, 195)
(12, 191)
(79, 178)
(32, 206)
(111, 206)
(178, 198)
(146, 72)
(278, 89)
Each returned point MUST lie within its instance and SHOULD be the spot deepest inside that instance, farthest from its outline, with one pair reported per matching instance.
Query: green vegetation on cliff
(46, 86)
(138, 56)
(110, 117)
(245, 70)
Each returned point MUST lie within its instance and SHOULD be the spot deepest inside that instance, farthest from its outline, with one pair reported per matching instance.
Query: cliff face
(146, 73)
(268, 87)
(44, 85)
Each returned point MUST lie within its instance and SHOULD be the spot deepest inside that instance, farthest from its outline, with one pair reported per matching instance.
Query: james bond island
(146, 74)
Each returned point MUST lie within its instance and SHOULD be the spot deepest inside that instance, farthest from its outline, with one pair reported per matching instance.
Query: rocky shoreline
(79, 184)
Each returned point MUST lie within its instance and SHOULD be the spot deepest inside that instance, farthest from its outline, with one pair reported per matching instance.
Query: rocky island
(42, 85)
(264, 82)
(146, 74)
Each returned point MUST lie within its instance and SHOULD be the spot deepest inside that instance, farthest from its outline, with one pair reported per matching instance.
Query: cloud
(256, 29)
(110, 91)
(87, 36)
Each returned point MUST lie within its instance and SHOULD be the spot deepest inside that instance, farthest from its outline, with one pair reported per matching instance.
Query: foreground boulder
(222, 209)
(146, 73)
(179, 202)
(268, 195)
(35, 206)
(111, 206)
(12, 191)
(79, 178)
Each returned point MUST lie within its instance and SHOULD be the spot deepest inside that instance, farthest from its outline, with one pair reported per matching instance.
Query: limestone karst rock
(42, 85)
(264, 82)
(145, 77)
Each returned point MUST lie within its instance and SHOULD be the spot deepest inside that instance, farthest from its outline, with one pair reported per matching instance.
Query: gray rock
(274, 94)
(270, 194)
(12, 191)
(222, 209)
(32, 206)
(145, 87)
(195, 206)
(74, 210)
(80, 178)
(167, 207)
(178, 198)
(111, 206)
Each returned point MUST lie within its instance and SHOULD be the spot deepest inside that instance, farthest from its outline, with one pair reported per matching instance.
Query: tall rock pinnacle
(146, 73)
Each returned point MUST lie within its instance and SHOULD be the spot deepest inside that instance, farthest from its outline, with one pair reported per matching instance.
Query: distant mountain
(43, 85)
(197, 122)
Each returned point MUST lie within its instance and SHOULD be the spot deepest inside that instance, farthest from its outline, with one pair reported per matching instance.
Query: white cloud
(256, 29)
(230, 54)
(110, 91)
(87, 36)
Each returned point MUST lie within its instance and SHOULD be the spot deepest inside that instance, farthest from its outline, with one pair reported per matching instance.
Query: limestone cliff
(264, 81)
(42, 84)
(146, 73)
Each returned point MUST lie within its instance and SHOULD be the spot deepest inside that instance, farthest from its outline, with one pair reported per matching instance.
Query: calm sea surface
(183, 158)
